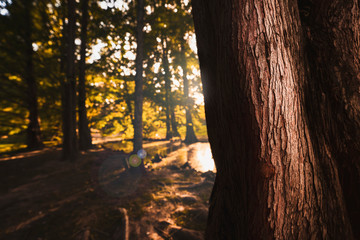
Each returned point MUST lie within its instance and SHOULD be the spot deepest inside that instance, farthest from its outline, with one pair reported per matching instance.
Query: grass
(11, 147)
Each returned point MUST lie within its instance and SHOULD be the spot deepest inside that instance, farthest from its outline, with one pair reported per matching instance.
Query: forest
(54, 52)
(85, 84)
(180, 119)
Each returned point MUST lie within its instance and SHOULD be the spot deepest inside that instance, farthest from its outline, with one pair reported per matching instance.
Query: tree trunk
(33, 140)
(165, 65)
(70, 148)
(171, 124)
(190, 134)
(332, 47)
(278, 175)
(138, 124)
(84, 130)
(174, 128)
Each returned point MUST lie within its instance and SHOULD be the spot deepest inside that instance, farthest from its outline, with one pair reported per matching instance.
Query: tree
(171, 126)
(33, 131)
(281, 95)
(190, 134)
(138, 111)
(20, 30)
(70, 146)
(84, 130)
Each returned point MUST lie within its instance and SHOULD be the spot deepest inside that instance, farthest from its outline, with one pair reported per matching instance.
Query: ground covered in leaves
(42, 198)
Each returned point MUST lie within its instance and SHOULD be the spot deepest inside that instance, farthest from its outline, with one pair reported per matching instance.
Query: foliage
(110, 67)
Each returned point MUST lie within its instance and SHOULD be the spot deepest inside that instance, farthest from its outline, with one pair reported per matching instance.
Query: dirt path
(44, 198)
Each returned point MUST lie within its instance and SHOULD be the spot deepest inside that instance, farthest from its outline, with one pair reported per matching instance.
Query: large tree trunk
(190, 134)
(84, 130)
(33, 140)
(70, 147)
(332, 35)
(278, 174)
(138, 123)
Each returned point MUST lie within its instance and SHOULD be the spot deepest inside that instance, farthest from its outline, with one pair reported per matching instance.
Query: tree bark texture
(282, 138)
(70, 147)
(33, 140)
(85, 141)
(190, 136)
(138, 123)
(332, 44)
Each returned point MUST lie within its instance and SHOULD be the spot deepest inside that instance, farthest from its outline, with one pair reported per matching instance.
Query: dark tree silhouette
(84, 130)
(281, 85)
(33, 140)
(138, 111)
(171, 125)
(190, 134)
(165, 65)
(70, 145)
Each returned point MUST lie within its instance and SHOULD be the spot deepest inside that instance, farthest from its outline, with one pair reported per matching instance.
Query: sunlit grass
(10, 147)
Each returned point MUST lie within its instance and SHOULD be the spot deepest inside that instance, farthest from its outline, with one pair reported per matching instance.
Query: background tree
(182, 25)
(171, 130)
(110, 59)
(70, 144)
(17, 44)
(33, 131)
(267, 67)
(138, 119)
(190, 136)
(84, 130)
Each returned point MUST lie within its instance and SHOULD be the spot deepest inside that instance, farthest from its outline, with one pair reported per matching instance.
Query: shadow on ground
(42, 198)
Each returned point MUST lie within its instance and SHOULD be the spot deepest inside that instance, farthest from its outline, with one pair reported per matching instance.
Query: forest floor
(42, 197)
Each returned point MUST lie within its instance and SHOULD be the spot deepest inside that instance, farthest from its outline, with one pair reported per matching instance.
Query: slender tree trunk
(274, 180)
(70, 147)
(165, 65)
(138, 123)
(33, 140)
(174, 128)
(84, 130)
(128, 101)
(190, 134)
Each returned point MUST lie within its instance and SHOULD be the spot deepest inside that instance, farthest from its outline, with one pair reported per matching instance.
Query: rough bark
(275, 178)
(70, 147)
(331, 30)
(33, 140)
(138, 123)
(85, 141)
(190, 136)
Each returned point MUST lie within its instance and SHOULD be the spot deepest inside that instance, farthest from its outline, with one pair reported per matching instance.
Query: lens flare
(141, 153)
(134, 160)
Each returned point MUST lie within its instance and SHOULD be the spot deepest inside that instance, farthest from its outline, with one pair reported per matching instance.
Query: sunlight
(35, 47)
(199, 98)
(4, 12)
(204, 157)
(130, 55)
(107, 89)
(191, 38)
(119, 4)
(95, 51)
